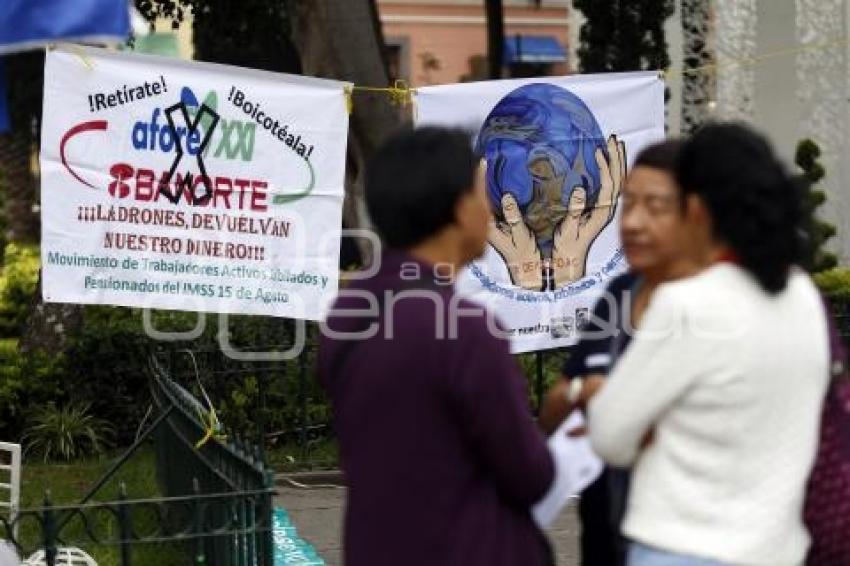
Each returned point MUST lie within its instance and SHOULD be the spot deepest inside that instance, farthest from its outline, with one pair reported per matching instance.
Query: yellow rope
(400, 93)
(78, 52)
(212, 426)
(349, 101)
(752, 61)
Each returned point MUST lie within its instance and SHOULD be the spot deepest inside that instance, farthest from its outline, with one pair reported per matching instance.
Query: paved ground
(317, 513)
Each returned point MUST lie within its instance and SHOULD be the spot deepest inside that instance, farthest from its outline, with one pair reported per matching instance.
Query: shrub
(105, 364)
(25, 381)
(18, 282)
(66, 433)
(835, 283)
(108, 367)
(817, 232)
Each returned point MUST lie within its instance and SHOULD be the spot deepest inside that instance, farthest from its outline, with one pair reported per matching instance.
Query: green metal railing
(217, 504)
(193, 458)
(218, 528)
(286, 409)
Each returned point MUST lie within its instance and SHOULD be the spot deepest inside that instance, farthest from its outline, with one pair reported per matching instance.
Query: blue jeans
(642, 555)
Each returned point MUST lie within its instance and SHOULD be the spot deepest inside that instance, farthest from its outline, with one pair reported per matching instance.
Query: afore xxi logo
(232, 139)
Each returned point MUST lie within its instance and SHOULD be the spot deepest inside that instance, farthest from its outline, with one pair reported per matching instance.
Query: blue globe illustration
(540, 145)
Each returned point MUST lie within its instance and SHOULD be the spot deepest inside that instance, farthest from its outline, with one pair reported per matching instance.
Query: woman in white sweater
(716, 403)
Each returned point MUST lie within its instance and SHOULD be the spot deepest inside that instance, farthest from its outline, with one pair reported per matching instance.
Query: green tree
(817, 231)
(623, 35)
(248, 33)
(47, 325)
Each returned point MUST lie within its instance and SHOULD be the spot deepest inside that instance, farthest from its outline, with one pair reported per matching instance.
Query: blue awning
(533, 49)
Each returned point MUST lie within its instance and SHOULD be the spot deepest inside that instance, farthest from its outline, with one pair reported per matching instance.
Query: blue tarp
(533, 49)
(25, 24)
(30, 24)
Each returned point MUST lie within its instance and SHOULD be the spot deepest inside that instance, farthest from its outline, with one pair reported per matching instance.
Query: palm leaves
(66, 433)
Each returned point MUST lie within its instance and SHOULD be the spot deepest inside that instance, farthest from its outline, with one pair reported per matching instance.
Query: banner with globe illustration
(557, 151)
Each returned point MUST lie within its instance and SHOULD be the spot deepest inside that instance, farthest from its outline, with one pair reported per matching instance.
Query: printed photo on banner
(191, 186)
(556, 151)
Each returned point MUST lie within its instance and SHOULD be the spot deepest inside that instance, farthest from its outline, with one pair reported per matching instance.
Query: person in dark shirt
(441, 456)
(654, 240)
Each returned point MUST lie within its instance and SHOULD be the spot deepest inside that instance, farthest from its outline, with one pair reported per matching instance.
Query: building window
(398, 58)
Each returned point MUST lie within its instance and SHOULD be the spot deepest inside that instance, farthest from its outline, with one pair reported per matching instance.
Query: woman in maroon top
(442, 458)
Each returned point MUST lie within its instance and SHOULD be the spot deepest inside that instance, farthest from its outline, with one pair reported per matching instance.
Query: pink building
(445, 41)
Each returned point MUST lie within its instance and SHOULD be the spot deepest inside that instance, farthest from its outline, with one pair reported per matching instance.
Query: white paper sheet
(576, 467)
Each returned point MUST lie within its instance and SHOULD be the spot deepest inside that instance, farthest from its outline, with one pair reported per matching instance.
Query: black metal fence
(280, 405)
(217, 487)
(194, 457)
(217, 503)
(214, 528)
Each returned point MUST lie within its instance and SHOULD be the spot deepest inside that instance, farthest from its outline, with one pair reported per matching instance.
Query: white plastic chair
(10, 481)
(65, 556)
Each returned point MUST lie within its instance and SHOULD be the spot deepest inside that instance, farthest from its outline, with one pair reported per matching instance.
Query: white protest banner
(190, 186)
(557, 150)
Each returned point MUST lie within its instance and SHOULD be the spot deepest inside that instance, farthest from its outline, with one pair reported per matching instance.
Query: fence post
(124, 525)
(235, 550)
(251, 536)
(198, 524)
(538, 383)
(268, 511)
(302, 403)
(243, 533)
(49, 534)
(261, 413)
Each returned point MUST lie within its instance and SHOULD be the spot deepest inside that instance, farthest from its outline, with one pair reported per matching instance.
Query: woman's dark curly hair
(755, 205)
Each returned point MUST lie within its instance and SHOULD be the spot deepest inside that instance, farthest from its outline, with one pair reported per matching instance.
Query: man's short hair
(415, 181)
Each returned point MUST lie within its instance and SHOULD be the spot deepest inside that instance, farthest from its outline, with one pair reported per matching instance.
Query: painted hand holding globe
(516, 243)
(572, 237)
(578, 230)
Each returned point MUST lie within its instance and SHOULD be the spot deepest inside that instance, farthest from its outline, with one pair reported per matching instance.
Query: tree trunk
(343, 40)
(18, 181)
(48, 325)
(495, 37)
(18, 185)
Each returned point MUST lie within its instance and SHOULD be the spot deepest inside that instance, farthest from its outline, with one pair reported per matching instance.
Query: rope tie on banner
(400, 93)
(349, 101)
(78, 53)
(208, 418)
